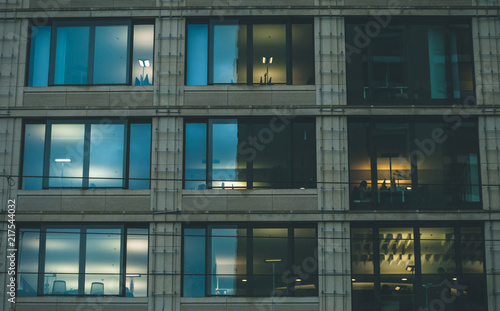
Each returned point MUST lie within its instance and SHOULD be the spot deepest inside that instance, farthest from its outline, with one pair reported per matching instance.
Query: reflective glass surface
(306, 276)
(396, 250)
(71, 58)
(195, 161)
(194, 263)
(111, 54)
(302, 54)
(27, 278)
(362, 250)
(137, 263)
(143, 50)
(139, 156)
(34, 144)
(106, 155)
(66, 155)
(229, 60)
(197, 54)
(437, 248)
(39, 56)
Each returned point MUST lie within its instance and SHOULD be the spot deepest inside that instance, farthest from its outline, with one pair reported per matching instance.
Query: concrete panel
(39, 203)
(295, 203)
(249, 203)
(87, 99)
(44, 100)
(83, 203)
(127, 203)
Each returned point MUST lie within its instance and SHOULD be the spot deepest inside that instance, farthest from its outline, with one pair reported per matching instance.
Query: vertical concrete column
(486, 36)
(334, 266)
(169, 61)
(332, 171)
(10, 38)
(492, 260)
(166, 166)
(489, 146)
(330, 60)
(164, 265)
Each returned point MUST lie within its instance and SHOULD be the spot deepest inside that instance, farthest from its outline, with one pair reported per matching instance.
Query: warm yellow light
(354, 280)
(404, 279)
(244, 280)
(264, 60)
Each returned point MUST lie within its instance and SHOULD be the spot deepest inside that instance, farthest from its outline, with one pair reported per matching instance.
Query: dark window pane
(359, 162)
(397, 292)
(39, 56)
(62, 258)
(437, 248)
(34, 143)
(66, 155)
(472, 248)
(362, 250)
(461, 60)
(302, 54)
(396, 250)
(139, 156)
(142, 73)
(197, 55)
(137, 263)
(467, 166)
(111, 54)
(194, 263)
(272, 163)
(305, 248)
(195, 158)
(29, 245)
(228, 164)
(106, 155)
(392, 143)
(102, 262)
(304, 155)
(228, 260)
(363, 293)
(270, 261)
(269, 41)
(72, 49)
(229, 60)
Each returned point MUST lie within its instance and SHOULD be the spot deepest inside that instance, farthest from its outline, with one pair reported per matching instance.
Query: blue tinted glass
(34, 142)
(143, 50)
(29, 244)
(195, 158)
(102, 262)
(194, 263)
(228, 166)
(140, 156)
(62, 259)
(106, 155)
(227, 63)
(72, 49)
(39, 56)
(66, 155)
(111, 54)
(197, 55)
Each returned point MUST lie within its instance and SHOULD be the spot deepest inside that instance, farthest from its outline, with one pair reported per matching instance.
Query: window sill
(82, 192)
(80, 299)
(247, 192)
(244, 87)
(253, 300)
(88, 88)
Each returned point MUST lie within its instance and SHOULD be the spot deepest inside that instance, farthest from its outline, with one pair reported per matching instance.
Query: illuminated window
(411, 163)
(90, 154)
(83, 260)
(91, 53)
(239, 51)
(244, 260)
(250, 153)
(405, 267)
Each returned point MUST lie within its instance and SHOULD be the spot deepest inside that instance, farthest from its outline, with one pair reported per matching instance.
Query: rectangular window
(245, 260)
(92, 53)
(246, 153)
(240, 51)
(83, 260)
(409, 61)
(417, 267)
(414, 164)
(87, 154)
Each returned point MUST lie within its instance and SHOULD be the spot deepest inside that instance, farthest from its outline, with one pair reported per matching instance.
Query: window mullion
(46, 156)
(90, 64)
(81, 274)
(86, 156)
(41, 261)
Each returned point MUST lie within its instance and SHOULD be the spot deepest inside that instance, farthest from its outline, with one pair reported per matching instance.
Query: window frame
(411, 121)
(83, 232)
(407, 22)
(417, 275)
(86, 153)
(249, 252)
(250, 22)
(92, 24)
(249, 121)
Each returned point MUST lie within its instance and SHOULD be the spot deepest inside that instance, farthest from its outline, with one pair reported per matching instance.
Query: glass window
(409, 61)
(83, 260)
(243, 51)
(419, 267)
(91, 53)
(244, 260)
(87, 154)
(416, 164)
(244, 153)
